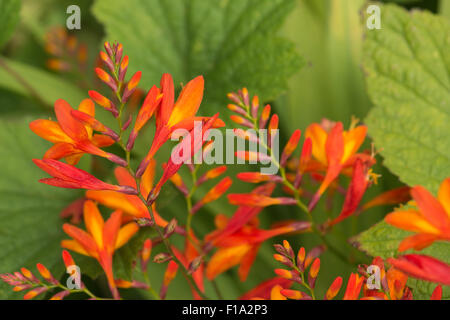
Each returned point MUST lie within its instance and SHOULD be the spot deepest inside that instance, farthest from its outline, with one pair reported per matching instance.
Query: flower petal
(94, 222)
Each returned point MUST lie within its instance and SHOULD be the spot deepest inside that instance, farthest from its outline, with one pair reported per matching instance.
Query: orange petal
(188, 102)
(72, 127)
(111, 230)
(224, 259)
(275, 293)
(100, 140)
(74, 246)
(125, 234)
(94, 222)
(119, 201)
(352, 141)
(410, 220)
(73, 159)
(147, 179)
(60, 150)
(444, 195)
(87, 106)
(417, 242)
(167, 90)
(396, 282)
(124, 178)
(430, 208)
(247, 262)
(50, 131)
(82, 237)
(354, 285)
(318, 138)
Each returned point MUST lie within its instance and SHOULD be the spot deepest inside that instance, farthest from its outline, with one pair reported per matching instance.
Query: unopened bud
(162, 257)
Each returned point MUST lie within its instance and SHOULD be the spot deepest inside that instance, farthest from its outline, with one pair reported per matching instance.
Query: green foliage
(383, 240)
(231, 42)
(46, 87)
(9, 15)
(329, 34)
(30, 226)
(408, 80)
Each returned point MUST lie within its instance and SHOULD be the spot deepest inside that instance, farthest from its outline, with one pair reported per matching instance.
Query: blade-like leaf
(9, 15)
(30, 226)
(43, 84)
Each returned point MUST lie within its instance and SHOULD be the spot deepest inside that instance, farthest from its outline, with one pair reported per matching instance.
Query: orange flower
(180, 115)
(334, 288)
(431, 221)
(101, 240)
(187, 257)
(150, 105)
(354, 286)
(192, 143)
(242, 246)
(71, 137)
(169, 275)
(264, 290)
(213, 194)
(390, 197)
(393, 284)
(258, 200)
(67, 176)
(355, 191)
(423, 267)
(335, 149)
(129, 204)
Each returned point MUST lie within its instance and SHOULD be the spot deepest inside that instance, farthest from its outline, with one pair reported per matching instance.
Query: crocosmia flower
(129, 204)
(180, 115)
(430, 221)
(71, 137)
(101, 239)
(335, 149)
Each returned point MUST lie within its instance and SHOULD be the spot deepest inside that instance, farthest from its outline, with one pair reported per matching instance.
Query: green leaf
(9, 15)
(383, 240)
(231, 42)
(46, 86)
(30, 226)
(408, 79)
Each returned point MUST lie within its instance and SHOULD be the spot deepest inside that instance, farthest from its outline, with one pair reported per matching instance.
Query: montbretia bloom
(423, 267)
(67, 176)
(241, 247)
(101, 239)
(179, 115)
(335, 149)
(267, 290)
(71, 137)
(131, 205)
(192, 261)
(430, 221)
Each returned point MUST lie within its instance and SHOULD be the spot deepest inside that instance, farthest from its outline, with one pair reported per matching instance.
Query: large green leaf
(30, 226)
(44, 85)
(9, 15)
(383, 240)
(231, 42)
(408, 79)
